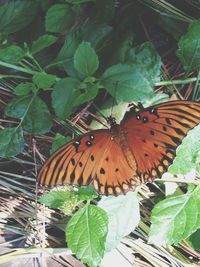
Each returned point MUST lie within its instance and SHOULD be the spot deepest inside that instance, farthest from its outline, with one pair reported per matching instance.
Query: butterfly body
(118, 159)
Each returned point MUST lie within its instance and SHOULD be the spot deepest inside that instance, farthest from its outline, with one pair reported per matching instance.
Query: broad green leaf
(18, 106)
(92, 32)
(190, 150)
(189, 47)
(126, 83)
(42, 42)
(38, 118)
(86, 234)
(24, 89)
(85, 59)
(147, 60)
(29, 109)
(11, 142)
(175, 218)
(43, 80)
(124, 216)
(87, 193)
(55, 199)
(63, 96)
(59, 18)
(15, 15)
(59, 141)
(12, 54)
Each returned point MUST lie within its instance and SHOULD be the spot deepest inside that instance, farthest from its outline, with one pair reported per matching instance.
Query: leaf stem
(189, 80)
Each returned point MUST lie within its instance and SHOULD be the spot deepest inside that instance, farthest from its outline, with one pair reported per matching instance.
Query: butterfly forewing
(157, 132)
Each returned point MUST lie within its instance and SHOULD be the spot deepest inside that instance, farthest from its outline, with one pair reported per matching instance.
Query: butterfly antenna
(99, 111)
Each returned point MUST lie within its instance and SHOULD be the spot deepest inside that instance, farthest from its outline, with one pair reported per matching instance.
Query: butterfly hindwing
(94, 158)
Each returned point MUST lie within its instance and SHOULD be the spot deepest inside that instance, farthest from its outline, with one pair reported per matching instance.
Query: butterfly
(116, 160)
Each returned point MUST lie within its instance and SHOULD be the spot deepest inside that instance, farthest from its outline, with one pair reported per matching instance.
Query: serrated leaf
(189, 47)
(147, 61)
(55, 199)
(59, 18)
(11, 142)
(63, 96)
(59, 141)
(15, 15)
(175, 218)
(42, 42)
(29, 109)
(24, 89)
(189, 149)
(86, 234)
(125, 83)
(43, 80)
(92, 32)
(12, 54)
(124, 216)
(85, 59)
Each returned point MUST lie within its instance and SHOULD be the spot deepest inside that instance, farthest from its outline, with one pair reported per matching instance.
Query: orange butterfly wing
(95, 158)
(117, 160)
(154, 134)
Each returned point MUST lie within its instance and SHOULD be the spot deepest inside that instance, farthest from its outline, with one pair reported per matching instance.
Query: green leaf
(15, 15)
(85, 59)
(126, 83)
(59, 141)
(86, 234)
(87, 92)
(189, 47)
(12, 54)
(63, 96)
(24, 89)
(147, 61)
(92, 32)
(29, 109)
(55, 199)
(43, 80)
(42, 42)
(175, 218)
(190, 150)
(59, 18)
(194, 240)
(11, 142)
(86, 193)
(119, 224)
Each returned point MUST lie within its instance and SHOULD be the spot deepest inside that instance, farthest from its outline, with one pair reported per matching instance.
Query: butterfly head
(112, 122)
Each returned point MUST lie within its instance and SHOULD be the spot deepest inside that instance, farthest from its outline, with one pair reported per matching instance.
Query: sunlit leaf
(124, 215)
(175, 218)
(86, 234)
